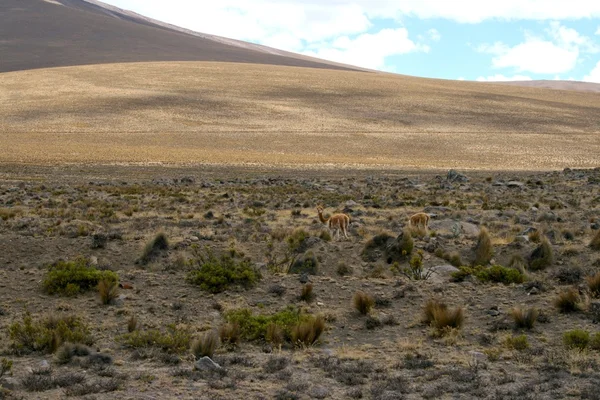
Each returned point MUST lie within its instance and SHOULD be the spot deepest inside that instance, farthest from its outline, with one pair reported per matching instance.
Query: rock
(595, 226)
(445, 269)
(351, 203)
(493, 313)
(206, 364)
(44, 366)
(194, 238)
(515, 184)
(454, 176)
(522, 239)
(477, 355)
(528, 231)
(533, 291)
(304, 278)
(319, 392)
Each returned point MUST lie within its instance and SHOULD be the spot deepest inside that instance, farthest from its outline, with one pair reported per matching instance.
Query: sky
(485, 40)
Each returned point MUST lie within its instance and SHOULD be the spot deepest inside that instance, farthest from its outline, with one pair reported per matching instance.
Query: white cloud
(598, 31)
(559, 52)
(502, 78)
(368, 50)
(434, 35)
(594, 75)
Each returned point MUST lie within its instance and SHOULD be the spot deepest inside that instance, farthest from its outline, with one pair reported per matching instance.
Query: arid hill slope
(246, 113)
(54, 33)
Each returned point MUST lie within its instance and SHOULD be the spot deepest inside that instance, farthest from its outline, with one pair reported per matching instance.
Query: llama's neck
(322, 218)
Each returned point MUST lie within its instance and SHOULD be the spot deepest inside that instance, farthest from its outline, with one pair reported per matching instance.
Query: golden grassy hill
(202, 112)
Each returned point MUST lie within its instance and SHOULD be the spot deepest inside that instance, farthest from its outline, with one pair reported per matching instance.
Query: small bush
(393, 249)
(5, 367)
(495, 273)
(206, 345)
(568, 301)
(363, 302)
(542, 256)
(296, 240)
(215, 275)
(108, 291)
(569, 275)
(154, 247)
(343, 269)
(518, 262)
(307, 293)
(415, 270)
(46, 335)
(519, 343)
(307, 264)
(72, 277)
(483, 249)
(173, 340)
(524, 319)
(594, 285)
(230, 334)
(595, 242)
(308, 332)
(254, 327)
(67, 351)
(576, 339)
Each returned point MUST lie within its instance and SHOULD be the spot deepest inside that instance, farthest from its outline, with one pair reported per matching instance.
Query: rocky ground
(109, 215)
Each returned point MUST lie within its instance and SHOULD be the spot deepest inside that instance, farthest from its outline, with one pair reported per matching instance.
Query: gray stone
(319, 392)
(207, 364)
(515, 184)
(454, 176)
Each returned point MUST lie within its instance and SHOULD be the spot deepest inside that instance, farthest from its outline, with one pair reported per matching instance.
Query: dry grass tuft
(108, 291)
(440, 317)
(363, 302)
(230, 334)
(524, 319)
(483, 249)
(132, 324)
(568, 301)
(307, 294)
(275, 334)
(307, 333)
(595, 242)
(206, 345)
(594, 285)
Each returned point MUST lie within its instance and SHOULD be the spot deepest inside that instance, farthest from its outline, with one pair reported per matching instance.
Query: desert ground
(146, 341)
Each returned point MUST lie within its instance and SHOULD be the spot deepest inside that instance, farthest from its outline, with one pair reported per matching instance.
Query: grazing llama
(339, 222)
(419, 220)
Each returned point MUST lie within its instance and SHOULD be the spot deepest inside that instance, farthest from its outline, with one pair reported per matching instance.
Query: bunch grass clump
(69, 278)
(495, 273)
(437, 315)
(254, 327)
(483, 249)
(568, 301)
(307, 293)
(108, 291)
(229, 333)
(524, 319)
(206, 345)
(306, 333)
(542, 257)
(594, 285)
(154, 247)
(595, 242)
(576, 339)
(363, 302)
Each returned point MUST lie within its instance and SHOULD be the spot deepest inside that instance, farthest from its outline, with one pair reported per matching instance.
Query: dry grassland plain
(191, 113)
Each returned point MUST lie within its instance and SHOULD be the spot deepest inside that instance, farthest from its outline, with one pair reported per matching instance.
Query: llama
(339, 222)
(419, 220)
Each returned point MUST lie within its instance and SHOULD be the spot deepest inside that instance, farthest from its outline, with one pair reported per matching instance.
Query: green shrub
(5, 367)
(214, 274)
(495, 273)
(71, 277)
(576, 339)
(172, 340)
(254, 327)
(542, 256)
(483, 249)
(518, 343)
(296, 240)
(415, 270)
(46, 335)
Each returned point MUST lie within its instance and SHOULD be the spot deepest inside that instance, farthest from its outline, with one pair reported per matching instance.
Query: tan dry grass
(194, 112)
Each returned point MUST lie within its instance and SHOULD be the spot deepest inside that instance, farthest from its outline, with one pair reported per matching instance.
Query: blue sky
(460, 39)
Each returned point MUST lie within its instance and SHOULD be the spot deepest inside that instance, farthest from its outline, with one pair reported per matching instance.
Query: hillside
(55, 33)
(192, 113)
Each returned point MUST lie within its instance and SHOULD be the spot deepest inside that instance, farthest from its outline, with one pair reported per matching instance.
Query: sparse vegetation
(254, 327)
(495, 273)
(519, 343)
(108, 291)
(154, 247)
(229, 333)
(47, 334)
(595, 242)
(307, 332)
(594, 285)
(439, 316)
(542, 257)
(576, 339)
(363, 302)
(307, 294)
(71, 277)
(173, 339)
